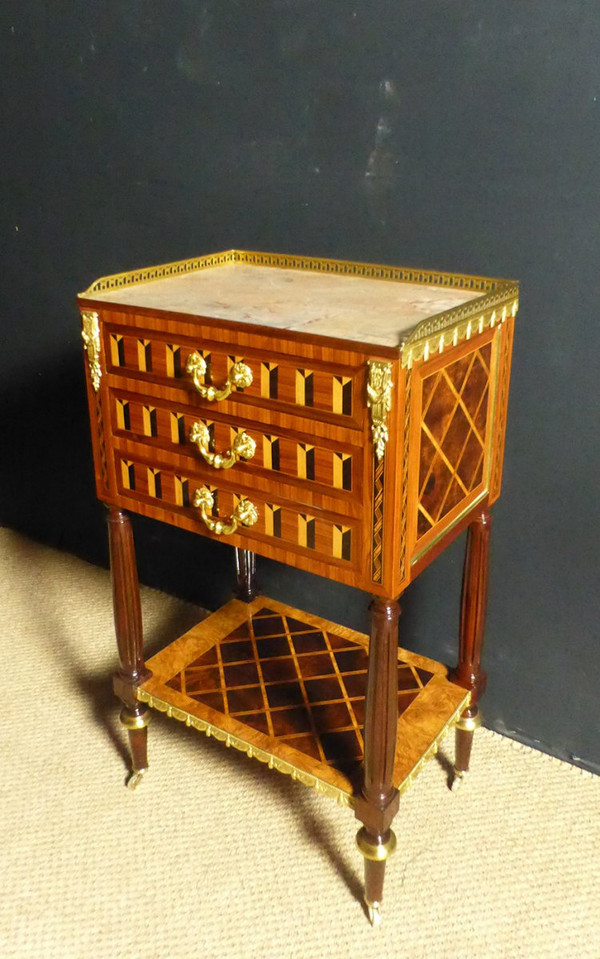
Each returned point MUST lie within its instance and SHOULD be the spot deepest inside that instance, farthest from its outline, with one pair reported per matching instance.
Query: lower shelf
(288, 688)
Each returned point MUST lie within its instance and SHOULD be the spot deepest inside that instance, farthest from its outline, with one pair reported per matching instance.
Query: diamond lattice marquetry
(293, 682)
(453, 426)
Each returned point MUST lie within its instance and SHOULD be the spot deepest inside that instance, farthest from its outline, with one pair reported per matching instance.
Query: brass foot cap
(136, 778)
(373, 912)
(459, 777)
(375, 851)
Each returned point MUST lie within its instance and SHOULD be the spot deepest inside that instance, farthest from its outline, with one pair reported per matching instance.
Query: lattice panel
(293, 682)
(453, 435)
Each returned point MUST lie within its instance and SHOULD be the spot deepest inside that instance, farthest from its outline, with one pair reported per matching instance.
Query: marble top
(381, 312)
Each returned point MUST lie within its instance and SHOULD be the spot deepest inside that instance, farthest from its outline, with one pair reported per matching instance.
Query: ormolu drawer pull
(242, 448)
(245, 513)
(238, 378)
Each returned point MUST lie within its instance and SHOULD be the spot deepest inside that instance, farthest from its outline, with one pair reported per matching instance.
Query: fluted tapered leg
(246, 586)
(128, 629)
(469, 673)
(378, 803)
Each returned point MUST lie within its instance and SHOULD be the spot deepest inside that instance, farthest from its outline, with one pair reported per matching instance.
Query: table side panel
(505, 338)
(454, 423)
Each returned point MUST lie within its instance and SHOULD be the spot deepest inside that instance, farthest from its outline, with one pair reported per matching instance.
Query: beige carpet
(216, 856)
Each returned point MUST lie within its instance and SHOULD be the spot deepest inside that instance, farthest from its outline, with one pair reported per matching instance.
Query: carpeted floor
(216, 856)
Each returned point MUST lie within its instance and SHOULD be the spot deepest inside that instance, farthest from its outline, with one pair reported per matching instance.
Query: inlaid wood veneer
(290, 687)
(347, 419)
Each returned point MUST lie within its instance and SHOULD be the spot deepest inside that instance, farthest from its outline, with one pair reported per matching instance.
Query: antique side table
(343, 418)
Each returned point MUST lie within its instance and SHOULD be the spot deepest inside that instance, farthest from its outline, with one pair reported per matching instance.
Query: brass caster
(459, 777)
(373, 912)
(136, 778)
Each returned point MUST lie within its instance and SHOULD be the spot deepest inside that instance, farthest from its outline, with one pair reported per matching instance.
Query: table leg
(246, 587)
(469, 673)
(128, 629)
(378, 803)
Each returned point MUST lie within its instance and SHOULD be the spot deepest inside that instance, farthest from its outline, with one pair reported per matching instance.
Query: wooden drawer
(304, 384)
(282, 528)
(267, 455)
(304, 410)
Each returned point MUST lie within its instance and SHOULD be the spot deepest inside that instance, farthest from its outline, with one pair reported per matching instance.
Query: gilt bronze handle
(242, 448)
(238, 378)
(245, 513)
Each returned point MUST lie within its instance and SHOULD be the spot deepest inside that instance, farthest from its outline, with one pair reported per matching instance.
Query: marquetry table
(343, 418)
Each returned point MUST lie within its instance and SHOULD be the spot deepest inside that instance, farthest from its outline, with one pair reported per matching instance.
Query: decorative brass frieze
(499, 298)
(377, 530)
(91, 340)
(276, 762)
(372, 271)
(255, 752)
(460, 323)
(379, 401)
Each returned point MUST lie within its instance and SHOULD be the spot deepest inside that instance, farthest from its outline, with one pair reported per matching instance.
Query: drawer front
(217, 444)
(164, 432)
(302, 384)
(278, 525)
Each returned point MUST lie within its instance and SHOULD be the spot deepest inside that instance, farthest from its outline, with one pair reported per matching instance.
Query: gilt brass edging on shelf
(254, 752)
(90, 334)
(274, 762)
(435, 745)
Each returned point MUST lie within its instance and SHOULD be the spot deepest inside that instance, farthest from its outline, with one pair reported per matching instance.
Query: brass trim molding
(281, 765)
(446, 529)
(404, 563)
(374, 271)
(468, 724)
(499, 297)
(90, 334)
(378, 851)
(379, 401)
(461, 323)
(435, 745)
(117, 281)
(254, 752)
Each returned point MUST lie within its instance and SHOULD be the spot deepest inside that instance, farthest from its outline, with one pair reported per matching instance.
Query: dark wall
(460, 136)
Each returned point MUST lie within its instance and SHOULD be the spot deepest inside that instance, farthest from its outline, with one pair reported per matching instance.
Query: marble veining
(360, 309)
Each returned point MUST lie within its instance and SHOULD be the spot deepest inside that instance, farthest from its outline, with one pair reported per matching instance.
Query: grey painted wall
(460, 136)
